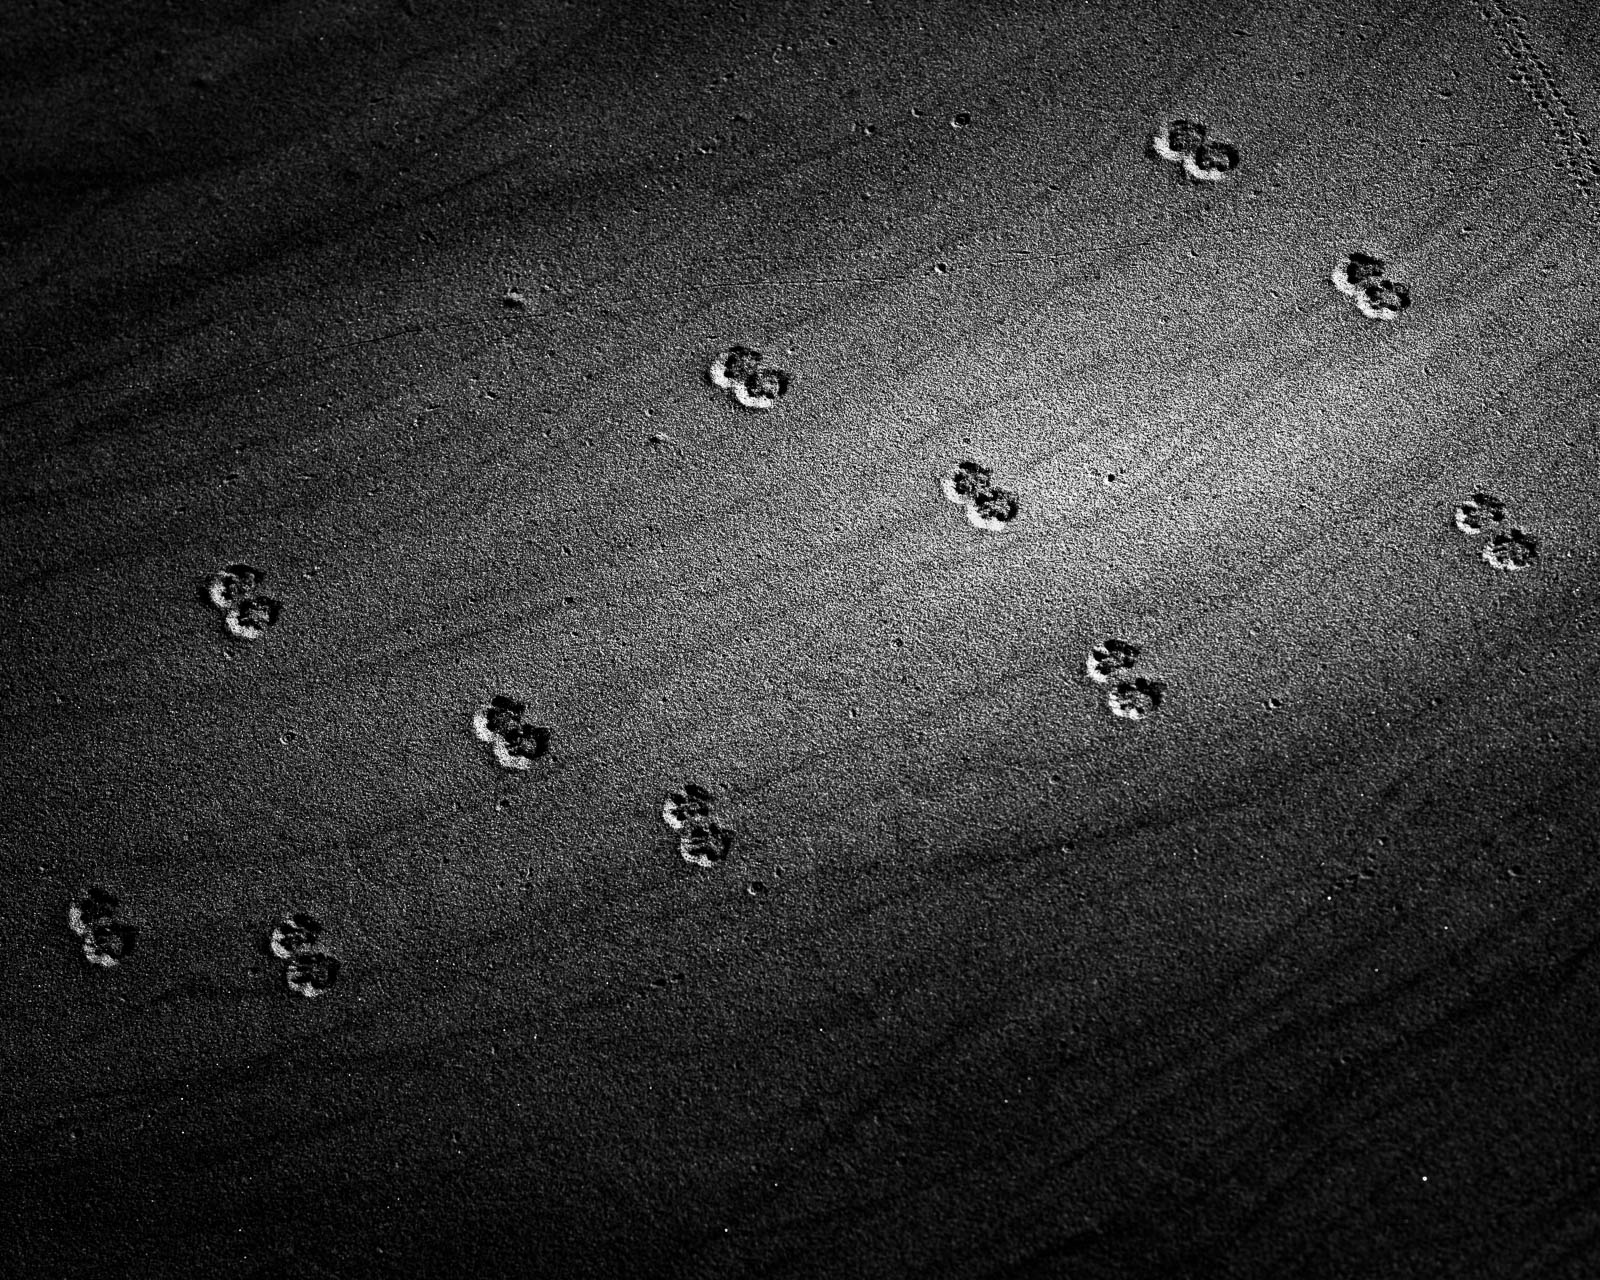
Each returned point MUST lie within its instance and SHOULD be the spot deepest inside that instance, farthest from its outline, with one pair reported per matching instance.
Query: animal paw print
(106, 938)
(503, 724)
(1361, 277)
(1505, 548)
(1110, 659)
(1136, 699)
(740, 373)
(1187, 143)
(246, 610)
(308, 968)
(1480, 514)
(1512, 551)
(1128, 697)
(987, 505)
(692, 813)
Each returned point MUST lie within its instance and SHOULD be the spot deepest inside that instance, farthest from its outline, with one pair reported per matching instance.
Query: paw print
(1480, 514)
(1360, 277)
(294, 934)
(308, 968)
(1512, 551)
(690, 805)
(311, 973)
(1187, 143)
(740, 373)
(1128, 697)
(987, 506)
(502, 723)
(1109, 659)
(1505, 548)
(706, 844)
(96, 918)
(1136, 699)
(246, 610)
(702, 839)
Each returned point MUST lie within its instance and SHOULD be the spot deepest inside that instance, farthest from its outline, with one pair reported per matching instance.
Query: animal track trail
(691, 812)
(1362, 278)
(247, 611)
(1188, 143)
(740, 372)
(309, 968)
(1127, 696)
(987, 506)
(106, 939)
(1537, 78)
(1506, 548)
(503, 723)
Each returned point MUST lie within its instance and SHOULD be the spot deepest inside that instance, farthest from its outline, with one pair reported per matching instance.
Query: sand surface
(1270, 951)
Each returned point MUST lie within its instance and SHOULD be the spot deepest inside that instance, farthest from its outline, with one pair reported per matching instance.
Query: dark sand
(1296, 977)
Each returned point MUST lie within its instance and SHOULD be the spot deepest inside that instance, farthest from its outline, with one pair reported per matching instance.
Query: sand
(964, 969)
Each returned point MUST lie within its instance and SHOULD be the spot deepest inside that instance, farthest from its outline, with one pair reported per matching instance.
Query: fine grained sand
(413, 310)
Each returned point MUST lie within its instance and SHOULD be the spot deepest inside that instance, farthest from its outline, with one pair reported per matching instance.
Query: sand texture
(864, 640)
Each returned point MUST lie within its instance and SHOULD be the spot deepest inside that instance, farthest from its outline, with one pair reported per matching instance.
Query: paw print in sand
(1188, 143)
(1136, 699)
(1505, 548)
(246, 610)
(1362, 278)
(311, 973)
(1128, 697)
(740, 373)
(308, 968)
(1109, 659)
(1480, 514)
(96, 918)
(691, 811)
(1512, 551)
(691, 804)
(987, 506)
(503, 724)
(706, 844)
(294, 934)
